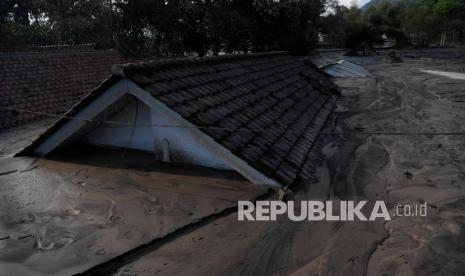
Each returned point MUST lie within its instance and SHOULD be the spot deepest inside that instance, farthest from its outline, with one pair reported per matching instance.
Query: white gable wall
(183, 147)
(198, 147)
(147, 136)
(120, 135)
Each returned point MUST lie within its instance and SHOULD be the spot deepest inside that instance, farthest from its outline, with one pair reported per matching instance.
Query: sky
(348, 2)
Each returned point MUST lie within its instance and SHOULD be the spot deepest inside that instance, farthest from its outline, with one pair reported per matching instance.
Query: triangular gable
(206, 149)
(261, 114)
(137, 126)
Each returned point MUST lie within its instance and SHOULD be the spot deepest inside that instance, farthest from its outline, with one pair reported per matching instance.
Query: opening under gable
(132, 129)
(185, 144)
(140, 127)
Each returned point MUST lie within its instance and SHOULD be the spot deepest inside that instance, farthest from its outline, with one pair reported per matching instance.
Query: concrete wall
(167, 143)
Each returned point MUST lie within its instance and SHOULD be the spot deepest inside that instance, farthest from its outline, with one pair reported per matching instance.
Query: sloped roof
(337, 65)
(50, 80)
(9, 42)
(345, 69)
(267, 109)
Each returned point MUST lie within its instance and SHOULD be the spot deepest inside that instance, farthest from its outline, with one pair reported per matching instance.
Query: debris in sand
(408, 174)
(28, 169)
(8, 166)
(72, 212)
(196, 239)
(101, 252)
(7, 172)
(25, 236)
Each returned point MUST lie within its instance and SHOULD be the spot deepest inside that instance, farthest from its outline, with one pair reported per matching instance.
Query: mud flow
(398, 136)
(85, 206)
(418, 158)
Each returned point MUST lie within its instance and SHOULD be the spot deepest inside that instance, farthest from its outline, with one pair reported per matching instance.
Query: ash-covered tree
(451, 18)
(351, 28)
(180, 27)
(171, 27)
(361, 30)
(284, 25)
(386, 19)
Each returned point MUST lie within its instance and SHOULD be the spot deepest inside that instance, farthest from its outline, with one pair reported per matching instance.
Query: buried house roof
(344, 69)
(336, 65)
(264, 109)
(49, 79)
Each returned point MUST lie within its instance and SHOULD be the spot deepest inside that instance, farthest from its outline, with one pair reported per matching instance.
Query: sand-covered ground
(412, 151)
(406, 169)
(400, 169)
(65, 216)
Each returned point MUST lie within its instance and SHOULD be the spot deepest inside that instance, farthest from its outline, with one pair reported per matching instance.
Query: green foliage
(201, 27)
(169, 27)
(449, 7)
(354, 29)
(419, 23)
(42, 22)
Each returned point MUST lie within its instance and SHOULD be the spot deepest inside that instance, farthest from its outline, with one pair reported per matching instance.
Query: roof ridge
(65, 46)
(221, 97)
(53, 52)
(120, 69)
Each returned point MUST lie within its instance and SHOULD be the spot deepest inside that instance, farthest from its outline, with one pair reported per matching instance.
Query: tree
(421, 23)
(451, 15)
(170, 27)
(418, 23)
(386, 19)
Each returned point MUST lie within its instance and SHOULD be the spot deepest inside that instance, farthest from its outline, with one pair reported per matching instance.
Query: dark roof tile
(50, 79)
(267, 109)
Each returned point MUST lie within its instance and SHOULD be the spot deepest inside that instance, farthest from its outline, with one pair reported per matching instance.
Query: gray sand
(60, 217)
(127, 206)
(398, 98)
